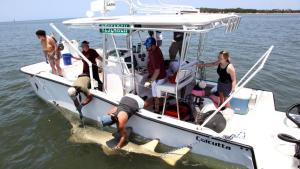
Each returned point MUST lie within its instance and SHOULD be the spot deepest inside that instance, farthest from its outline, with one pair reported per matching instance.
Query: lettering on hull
(212, 142)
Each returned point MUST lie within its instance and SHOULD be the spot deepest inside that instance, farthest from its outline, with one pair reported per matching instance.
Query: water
(33, 134)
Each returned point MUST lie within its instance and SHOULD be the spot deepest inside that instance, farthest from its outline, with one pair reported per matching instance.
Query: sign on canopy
(114, 28)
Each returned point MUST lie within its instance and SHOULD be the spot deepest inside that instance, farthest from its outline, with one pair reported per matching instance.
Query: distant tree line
(241, 10)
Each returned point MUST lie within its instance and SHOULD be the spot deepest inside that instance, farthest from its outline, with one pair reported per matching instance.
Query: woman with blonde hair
(227, 76)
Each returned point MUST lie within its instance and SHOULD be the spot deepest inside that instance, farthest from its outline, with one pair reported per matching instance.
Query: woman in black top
(227, 75)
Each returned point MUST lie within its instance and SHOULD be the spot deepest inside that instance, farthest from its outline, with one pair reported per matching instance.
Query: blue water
(33, 134)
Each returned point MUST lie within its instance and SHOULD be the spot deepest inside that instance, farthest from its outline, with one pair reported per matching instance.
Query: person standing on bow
(227, 76)
(156, 70)
(51, 51)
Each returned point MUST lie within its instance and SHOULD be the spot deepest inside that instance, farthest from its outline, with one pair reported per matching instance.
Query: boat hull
(149, 125)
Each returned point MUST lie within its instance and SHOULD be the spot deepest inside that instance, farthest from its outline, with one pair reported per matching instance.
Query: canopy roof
(195, 21)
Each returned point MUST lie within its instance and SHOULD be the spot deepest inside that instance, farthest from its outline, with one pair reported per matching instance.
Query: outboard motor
(288, 138)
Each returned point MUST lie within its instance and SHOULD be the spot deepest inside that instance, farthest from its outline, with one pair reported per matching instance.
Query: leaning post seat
(185, 75)
(119, 80)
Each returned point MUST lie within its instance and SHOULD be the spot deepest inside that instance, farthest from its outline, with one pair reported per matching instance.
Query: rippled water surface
(34, 134)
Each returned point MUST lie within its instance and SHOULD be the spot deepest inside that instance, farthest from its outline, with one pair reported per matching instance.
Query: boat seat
(185, 75)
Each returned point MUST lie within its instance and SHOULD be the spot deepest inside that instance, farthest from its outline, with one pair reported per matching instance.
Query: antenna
(102, 6)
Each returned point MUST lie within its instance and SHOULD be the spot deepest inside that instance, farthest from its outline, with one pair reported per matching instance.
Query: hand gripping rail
(243, 82)
(77, 51)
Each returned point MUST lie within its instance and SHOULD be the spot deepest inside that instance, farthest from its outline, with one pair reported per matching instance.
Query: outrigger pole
(263, 60)
(77, 51)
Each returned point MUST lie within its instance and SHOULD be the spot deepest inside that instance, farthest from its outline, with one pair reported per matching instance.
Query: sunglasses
(223, 52)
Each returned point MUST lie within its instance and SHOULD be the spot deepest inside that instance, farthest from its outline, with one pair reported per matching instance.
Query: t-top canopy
(194, 22)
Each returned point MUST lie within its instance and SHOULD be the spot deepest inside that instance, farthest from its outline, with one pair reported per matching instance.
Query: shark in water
(108, 140)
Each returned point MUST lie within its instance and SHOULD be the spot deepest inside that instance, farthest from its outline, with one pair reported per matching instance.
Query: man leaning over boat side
(156, 70)
(128, 106)
(51, 51)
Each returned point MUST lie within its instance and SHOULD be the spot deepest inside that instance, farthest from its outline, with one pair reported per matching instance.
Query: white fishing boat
(250, 135)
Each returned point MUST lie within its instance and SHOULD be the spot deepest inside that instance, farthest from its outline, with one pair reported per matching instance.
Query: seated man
(129, 105)
(156, 70)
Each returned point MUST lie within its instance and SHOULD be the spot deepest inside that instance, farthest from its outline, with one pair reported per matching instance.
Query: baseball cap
(149, 42)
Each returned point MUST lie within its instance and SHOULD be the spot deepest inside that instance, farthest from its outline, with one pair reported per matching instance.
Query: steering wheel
(290, 117)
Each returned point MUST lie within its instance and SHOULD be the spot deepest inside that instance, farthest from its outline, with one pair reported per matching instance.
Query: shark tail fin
(172, 157)
(151, 145)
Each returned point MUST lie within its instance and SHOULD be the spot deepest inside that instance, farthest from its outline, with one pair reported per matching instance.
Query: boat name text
(212, 142)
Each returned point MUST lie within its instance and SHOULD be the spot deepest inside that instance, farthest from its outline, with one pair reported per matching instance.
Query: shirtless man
(51, 51)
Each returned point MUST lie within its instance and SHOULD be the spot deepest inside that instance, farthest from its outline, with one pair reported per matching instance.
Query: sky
(53, 9)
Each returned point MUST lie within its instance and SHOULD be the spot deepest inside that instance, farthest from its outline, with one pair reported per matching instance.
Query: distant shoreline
(249, 11)
(270, 13)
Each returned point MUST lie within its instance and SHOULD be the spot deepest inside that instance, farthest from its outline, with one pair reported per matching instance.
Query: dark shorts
(224, 88)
